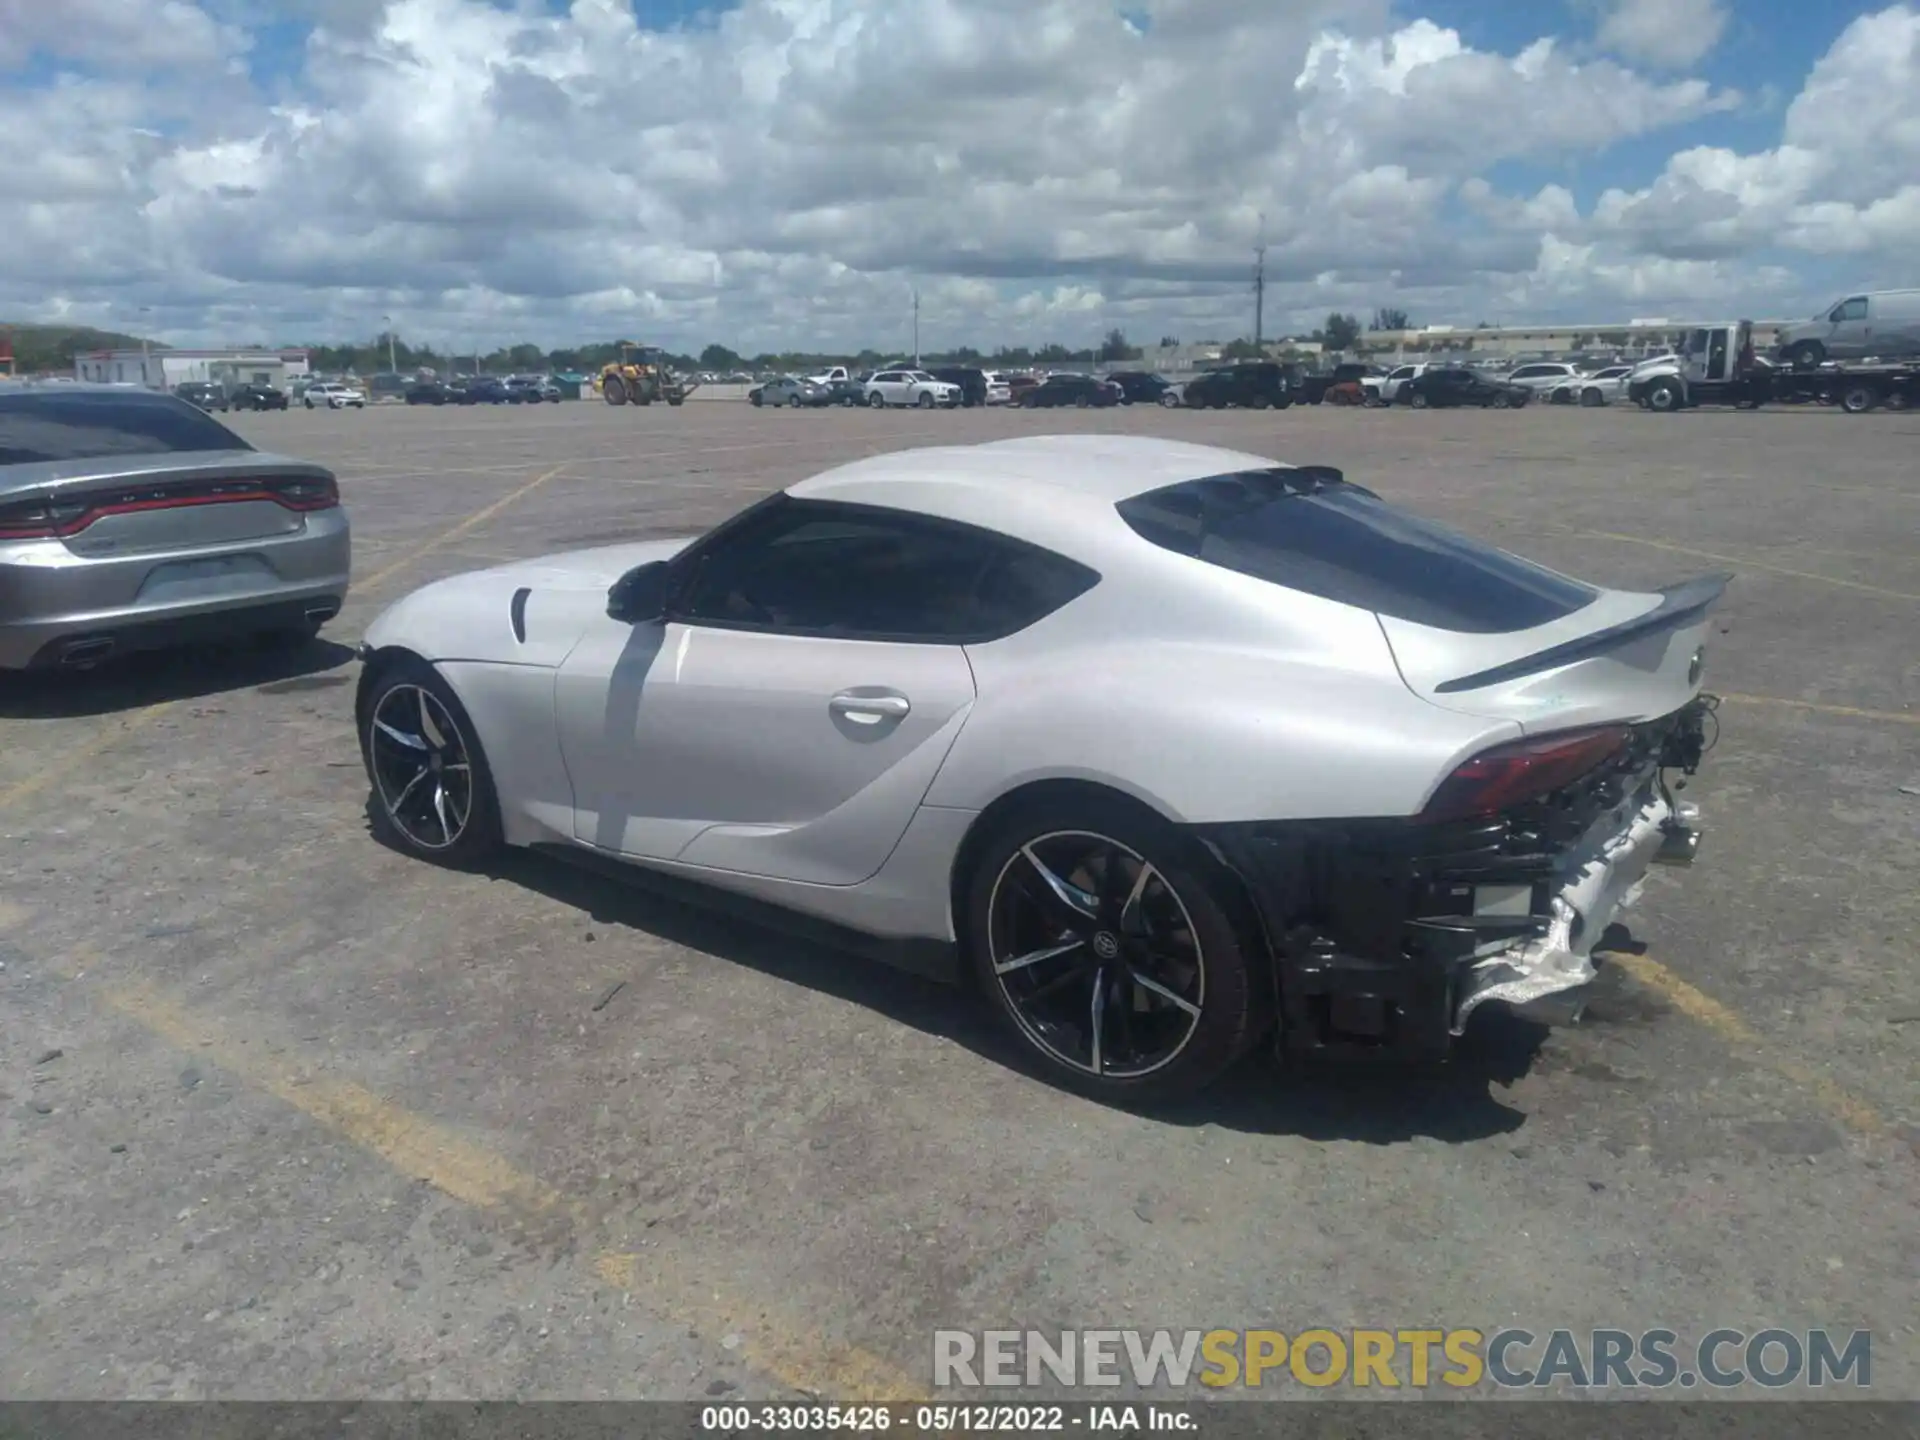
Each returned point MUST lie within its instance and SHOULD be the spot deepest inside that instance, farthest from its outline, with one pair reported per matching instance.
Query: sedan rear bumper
(1387, 935)
(57, 607)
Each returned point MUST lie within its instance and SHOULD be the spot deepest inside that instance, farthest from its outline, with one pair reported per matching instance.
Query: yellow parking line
(1699, 1006)
(1747, 562)
(1849, 712)
(472, 522)
(72, 761)
(677, 1285)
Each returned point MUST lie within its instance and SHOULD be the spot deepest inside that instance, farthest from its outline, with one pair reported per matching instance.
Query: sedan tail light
(1502, 777)
(59, 517)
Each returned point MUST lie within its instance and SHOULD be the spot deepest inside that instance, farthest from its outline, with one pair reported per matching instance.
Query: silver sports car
(132, 520)
(1169, 747)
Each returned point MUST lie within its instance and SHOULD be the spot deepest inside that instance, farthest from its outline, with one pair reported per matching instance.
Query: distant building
(164, 369)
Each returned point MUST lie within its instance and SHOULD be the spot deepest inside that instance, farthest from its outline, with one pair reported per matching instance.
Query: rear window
(1344, 543)
(43, 425)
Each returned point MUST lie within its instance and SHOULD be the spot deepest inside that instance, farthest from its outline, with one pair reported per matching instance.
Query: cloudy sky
(775, 173)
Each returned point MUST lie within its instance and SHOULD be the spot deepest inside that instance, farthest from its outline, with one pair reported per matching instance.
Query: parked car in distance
(258, 397)
(1882, 324)
(482, 390)
(795, 392)
(1601, 387)
(333, 395)
(1256, 384)
(910, 388)
(1313, 388)
(1019, 385)
(431, 392)
(998, 391)
(1395, 379)
(531, 390)
(1084, 391)
(849, 389)
(203, 394)
(970, 380)
(1442, 387)
(131, 520)
(1140, 387)
(1542, 375)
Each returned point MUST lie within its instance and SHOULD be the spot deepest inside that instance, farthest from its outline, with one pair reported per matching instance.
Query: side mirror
(640, 595)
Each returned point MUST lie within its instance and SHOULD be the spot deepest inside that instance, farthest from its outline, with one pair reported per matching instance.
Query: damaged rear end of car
(1388, 933)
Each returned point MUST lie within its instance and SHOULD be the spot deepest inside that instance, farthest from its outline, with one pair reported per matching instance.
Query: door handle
(869, 709)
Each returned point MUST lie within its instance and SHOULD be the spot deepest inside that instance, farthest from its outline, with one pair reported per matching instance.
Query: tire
(309, 404)
(1899, 400)
(1858, 399)
(754, 400)
(405, 815)
(1663, 397)
(1418, 400)
(1503, 401)
(1807, 355)
(1592, 399)
(1170, 400)
(793, 401)
(925, 402)
(614, 390)
(1186, 899)
(876, 401)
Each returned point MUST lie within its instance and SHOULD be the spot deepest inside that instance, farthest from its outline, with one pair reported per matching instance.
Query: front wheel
(1107, 944)
(876, 401)
(925, 402)
(1170, 400)
(1592, 399)
(1664, 397)
(433, 795)
(1418, 400)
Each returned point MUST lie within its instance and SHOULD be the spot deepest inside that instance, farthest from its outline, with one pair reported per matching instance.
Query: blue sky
(1035, 170)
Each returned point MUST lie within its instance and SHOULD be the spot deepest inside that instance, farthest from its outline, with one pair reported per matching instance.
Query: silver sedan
(130, 520)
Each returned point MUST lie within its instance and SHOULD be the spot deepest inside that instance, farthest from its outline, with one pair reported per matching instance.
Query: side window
(1853, 309)
(812, 568)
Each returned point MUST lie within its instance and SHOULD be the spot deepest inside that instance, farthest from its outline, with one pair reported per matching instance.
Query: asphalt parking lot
(287, 1116)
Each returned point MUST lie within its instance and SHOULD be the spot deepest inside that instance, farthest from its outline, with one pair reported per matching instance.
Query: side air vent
(517, 613)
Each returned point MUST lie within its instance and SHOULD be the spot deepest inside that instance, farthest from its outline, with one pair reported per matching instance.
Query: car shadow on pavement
(160, 676)
(1261, 1095)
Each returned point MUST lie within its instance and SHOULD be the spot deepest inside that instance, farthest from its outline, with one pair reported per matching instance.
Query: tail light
(1502, 777)
(57, 518)
(306, 492)
(41, 519)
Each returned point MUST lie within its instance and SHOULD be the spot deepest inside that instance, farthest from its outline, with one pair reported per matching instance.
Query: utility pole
(392, 367)
(916, 327)
(146, 347)
(1260, 285)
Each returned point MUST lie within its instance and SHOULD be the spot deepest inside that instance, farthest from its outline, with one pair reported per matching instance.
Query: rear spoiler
(1678, 605)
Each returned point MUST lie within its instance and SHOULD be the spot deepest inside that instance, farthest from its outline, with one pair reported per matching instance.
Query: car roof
(1056, 490)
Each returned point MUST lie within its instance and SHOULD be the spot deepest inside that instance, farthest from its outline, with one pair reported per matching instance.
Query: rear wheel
(1107, 945)
(615, 390)
(1899, 400)
(1592, 399)
(1858, 399)
(433, 796)
(876, 401)
(1807, 355)
(1418, 400)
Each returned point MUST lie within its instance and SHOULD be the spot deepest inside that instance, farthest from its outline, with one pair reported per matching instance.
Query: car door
(790, 711)
(888, 384)
(1850, 321)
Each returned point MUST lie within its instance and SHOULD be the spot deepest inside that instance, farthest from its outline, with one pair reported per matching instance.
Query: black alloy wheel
(1109, 950)
(432, 793)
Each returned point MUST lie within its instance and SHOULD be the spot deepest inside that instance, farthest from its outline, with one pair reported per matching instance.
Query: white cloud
(1671, 33)
(783, 172)
(1839, 183)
